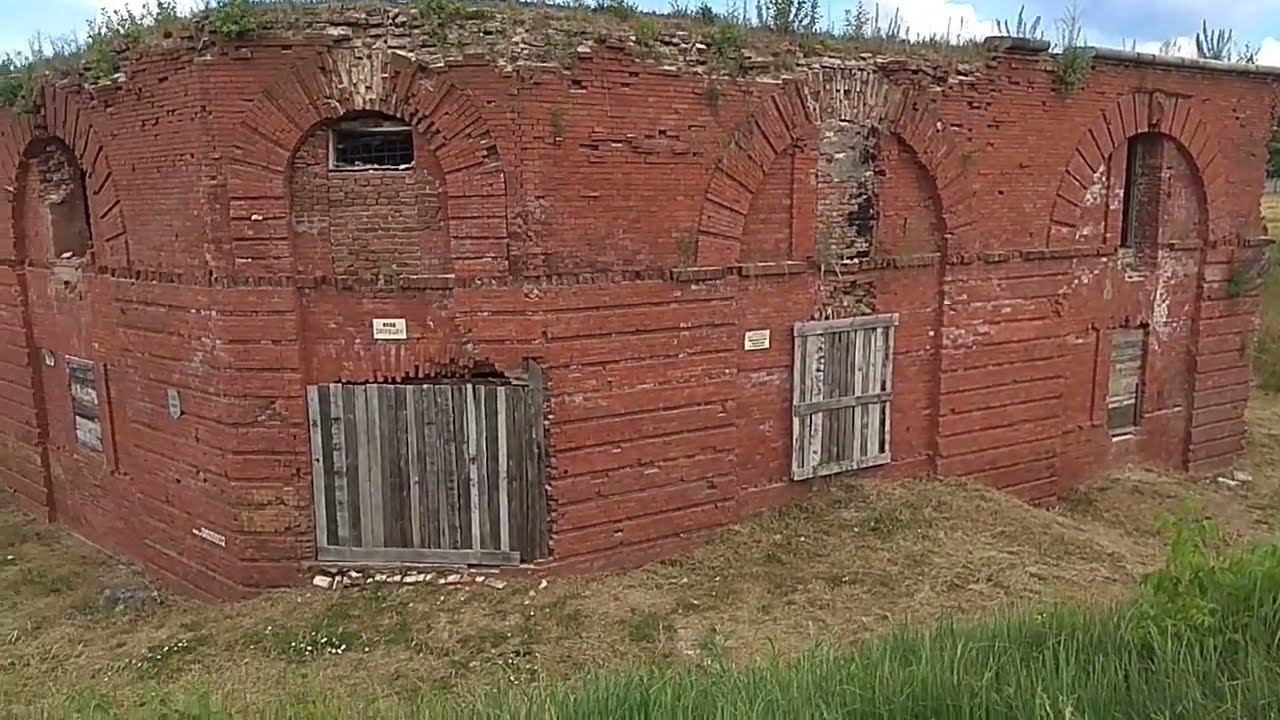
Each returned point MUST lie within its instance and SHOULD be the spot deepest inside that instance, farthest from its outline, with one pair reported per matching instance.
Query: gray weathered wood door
(431, 473)
(841, 395)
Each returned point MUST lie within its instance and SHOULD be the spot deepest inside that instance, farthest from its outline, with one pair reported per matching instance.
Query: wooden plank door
(432, 473)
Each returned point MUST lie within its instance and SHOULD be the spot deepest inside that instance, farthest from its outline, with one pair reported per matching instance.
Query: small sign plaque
(175, 403)
(390, 329)
(205, 533)
(756, 340)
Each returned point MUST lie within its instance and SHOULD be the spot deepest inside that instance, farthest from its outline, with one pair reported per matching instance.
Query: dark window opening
(1124, 393)
(84, 403)
(371, 144)
(1142, 172)
(62, 191)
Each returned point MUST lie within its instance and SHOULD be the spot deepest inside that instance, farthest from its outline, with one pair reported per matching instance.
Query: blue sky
(1149, 22)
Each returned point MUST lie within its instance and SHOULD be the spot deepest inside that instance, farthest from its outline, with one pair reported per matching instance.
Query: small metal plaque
(756, 340)
(390, 329)
(175, 403)
(205, 533)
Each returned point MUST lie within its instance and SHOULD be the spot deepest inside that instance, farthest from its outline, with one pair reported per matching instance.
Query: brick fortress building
(332, 297)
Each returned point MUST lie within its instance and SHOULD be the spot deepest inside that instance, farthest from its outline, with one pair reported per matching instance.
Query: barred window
(371, 144)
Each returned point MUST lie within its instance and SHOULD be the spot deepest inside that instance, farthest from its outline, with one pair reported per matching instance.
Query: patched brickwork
(353, 224)
(626, 225)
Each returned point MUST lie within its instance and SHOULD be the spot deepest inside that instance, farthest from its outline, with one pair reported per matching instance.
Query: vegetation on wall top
(771, 37)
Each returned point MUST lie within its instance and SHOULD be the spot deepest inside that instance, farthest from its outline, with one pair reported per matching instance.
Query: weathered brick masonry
(624, 224)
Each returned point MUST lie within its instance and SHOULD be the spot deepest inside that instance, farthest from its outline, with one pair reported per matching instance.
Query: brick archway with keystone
(791, 115)
(328, 85)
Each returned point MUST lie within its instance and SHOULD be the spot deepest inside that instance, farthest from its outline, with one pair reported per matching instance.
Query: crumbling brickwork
(613, 222)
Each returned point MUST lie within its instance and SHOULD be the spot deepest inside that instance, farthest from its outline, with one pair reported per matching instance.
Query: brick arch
(778, 123)
(868, 98)
(60, 117)
(1142, 112)
(330, 85)
(791, 115)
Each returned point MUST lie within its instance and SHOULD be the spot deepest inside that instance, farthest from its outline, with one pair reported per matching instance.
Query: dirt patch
(853, 563)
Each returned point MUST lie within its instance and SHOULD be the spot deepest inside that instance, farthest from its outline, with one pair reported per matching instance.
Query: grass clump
(233, 18)
(617, 9)
(1074, 61)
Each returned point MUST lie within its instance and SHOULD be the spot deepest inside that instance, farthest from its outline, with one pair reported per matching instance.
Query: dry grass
(841, 567)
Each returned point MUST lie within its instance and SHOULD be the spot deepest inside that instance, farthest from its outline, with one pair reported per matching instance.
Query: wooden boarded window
(843, 383)
(439, 473)
(84, 403)
(1124, 393)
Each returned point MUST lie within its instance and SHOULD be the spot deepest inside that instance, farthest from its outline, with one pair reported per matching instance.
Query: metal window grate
(843, 383)
(372, 148)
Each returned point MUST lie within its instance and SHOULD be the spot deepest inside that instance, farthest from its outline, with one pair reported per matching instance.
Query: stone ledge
(1181, 63)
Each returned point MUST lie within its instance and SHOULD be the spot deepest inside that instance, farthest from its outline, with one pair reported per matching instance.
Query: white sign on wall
(756, 340)
(390, 329)
(205, 533)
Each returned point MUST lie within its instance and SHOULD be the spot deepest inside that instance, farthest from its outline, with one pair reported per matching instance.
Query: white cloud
(1270, 52)
(938, 17)
(1176, 47)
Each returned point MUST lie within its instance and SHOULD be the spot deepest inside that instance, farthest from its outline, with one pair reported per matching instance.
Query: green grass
(1201, 639)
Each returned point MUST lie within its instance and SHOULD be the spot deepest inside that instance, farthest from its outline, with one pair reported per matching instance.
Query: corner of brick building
(612, 224)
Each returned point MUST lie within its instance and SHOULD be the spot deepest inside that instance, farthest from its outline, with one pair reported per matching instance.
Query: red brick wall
(624, 230)
(366, 224)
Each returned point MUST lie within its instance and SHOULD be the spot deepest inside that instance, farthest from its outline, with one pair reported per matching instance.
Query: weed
(437, 16)
(646, 30)
(726, 42)
(18, 84)
(714, 96)
(788, 17)
(687, 250)
(1214, 44)
(1021, 27)
(46, 581)
(160, 659)
(647, 627)
(1073, 70)
(619, 9)
(862, 23)
(705, 14)
(1075, 61)
(233, 18)
(713, 648)
(557, 124)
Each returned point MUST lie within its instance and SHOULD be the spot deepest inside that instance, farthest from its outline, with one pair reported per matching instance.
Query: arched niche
(367, 200)
(329, 84)
(53, 220)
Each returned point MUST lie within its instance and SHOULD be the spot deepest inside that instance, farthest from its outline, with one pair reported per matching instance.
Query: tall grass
(1200, 640)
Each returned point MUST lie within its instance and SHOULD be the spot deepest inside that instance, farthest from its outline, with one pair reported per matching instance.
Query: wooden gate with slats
(434, 473)
(842, 388)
